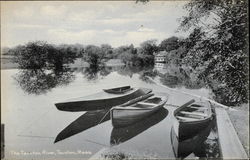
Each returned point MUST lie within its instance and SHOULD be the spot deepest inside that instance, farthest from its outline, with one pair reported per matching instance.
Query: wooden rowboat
(123, 134)
(191, 118)
(100, 100)
(128, 114)
(118, 90)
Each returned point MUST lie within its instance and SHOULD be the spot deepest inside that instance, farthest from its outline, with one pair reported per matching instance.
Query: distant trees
(169, 44)
(39, 55)
(93, 55)
(143, 55)
(31, 56)
(128, 54)
(146, 52)
(107, 50)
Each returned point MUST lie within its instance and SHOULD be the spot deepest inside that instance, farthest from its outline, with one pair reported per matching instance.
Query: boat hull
(124, 116)
(119, 90)
(89, 103)
(187, 129)
(183, 148)
(123, 134)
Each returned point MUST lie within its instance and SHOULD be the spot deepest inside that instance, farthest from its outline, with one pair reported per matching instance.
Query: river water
(32, 121)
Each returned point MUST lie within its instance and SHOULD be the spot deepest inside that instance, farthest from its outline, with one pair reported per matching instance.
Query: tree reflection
(40, 81)
(94, 72)
(178, 76)
(128, 70)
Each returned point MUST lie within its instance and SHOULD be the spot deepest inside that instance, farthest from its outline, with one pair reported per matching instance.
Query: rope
(96, 143)
(103, 117)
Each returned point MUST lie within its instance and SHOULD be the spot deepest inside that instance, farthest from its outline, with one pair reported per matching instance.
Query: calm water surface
(32, 122)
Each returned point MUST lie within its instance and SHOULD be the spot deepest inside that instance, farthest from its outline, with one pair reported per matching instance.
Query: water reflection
(94, 72)
(40, 81)
(120, 135)
(84, 122)
(128, 70)
(176, 76)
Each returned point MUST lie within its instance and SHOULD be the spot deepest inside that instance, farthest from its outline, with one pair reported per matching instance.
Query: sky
(89, 22)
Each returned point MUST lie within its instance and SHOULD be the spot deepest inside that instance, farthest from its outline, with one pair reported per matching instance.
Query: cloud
(30, 26)
(25, 12)
(87, 22)
(142, 29)
(50, 10)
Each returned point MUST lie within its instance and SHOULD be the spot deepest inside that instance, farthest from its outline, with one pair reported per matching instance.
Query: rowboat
(123, 134)
(118, 90)
(184, 148)
(128, 114)
(191, 118)
(100, 100)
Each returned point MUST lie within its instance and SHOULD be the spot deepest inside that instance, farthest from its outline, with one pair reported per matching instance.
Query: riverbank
(240, 120)
(6, 63)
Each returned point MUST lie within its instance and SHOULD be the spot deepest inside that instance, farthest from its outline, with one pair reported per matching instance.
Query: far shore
(6, 63)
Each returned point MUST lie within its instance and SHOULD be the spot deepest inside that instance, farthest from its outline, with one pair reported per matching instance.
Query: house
(160, 57)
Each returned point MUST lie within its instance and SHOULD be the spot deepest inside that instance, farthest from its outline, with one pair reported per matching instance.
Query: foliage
(38, 55)
(93, 55)
(169, 44)
(38, 81)
(148, 47)
(219, 48)
(107, 51)
(93, 72)
(146, 52)
(128, 55)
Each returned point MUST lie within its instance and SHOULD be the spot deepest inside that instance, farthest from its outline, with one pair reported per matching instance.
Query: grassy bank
(240, 120)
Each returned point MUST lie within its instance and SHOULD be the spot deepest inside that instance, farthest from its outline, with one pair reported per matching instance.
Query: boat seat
(193, 113)
(187, 118)
(144, 103)
(203, 108)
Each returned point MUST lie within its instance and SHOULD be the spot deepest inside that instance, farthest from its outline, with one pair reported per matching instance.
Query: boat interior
(121, 88)
(148, 103)
(192, 113)
(143, 105)
(155, 100)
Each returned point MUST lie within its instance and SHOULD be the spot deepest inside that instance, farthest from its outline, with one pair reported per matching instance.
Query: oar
(200, 97)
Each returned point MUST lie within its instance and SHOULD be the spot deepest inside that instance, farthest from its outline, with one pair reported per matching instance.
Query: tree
(107, 51)
(146, 52)
(93, 55)
(169, 44)
(221, 49)
(40, 55)
(31, 56)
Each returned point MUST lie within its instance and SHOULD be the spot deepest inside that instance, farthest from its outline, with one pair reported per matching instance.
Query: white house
(160, 57)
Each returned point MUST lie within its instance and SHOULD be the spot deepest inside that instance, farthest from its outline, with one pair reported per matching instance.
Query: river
(32, 121)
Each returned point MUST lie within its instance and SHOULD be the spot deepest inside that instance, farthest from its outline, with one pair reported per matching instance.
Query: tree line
(39, 54)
